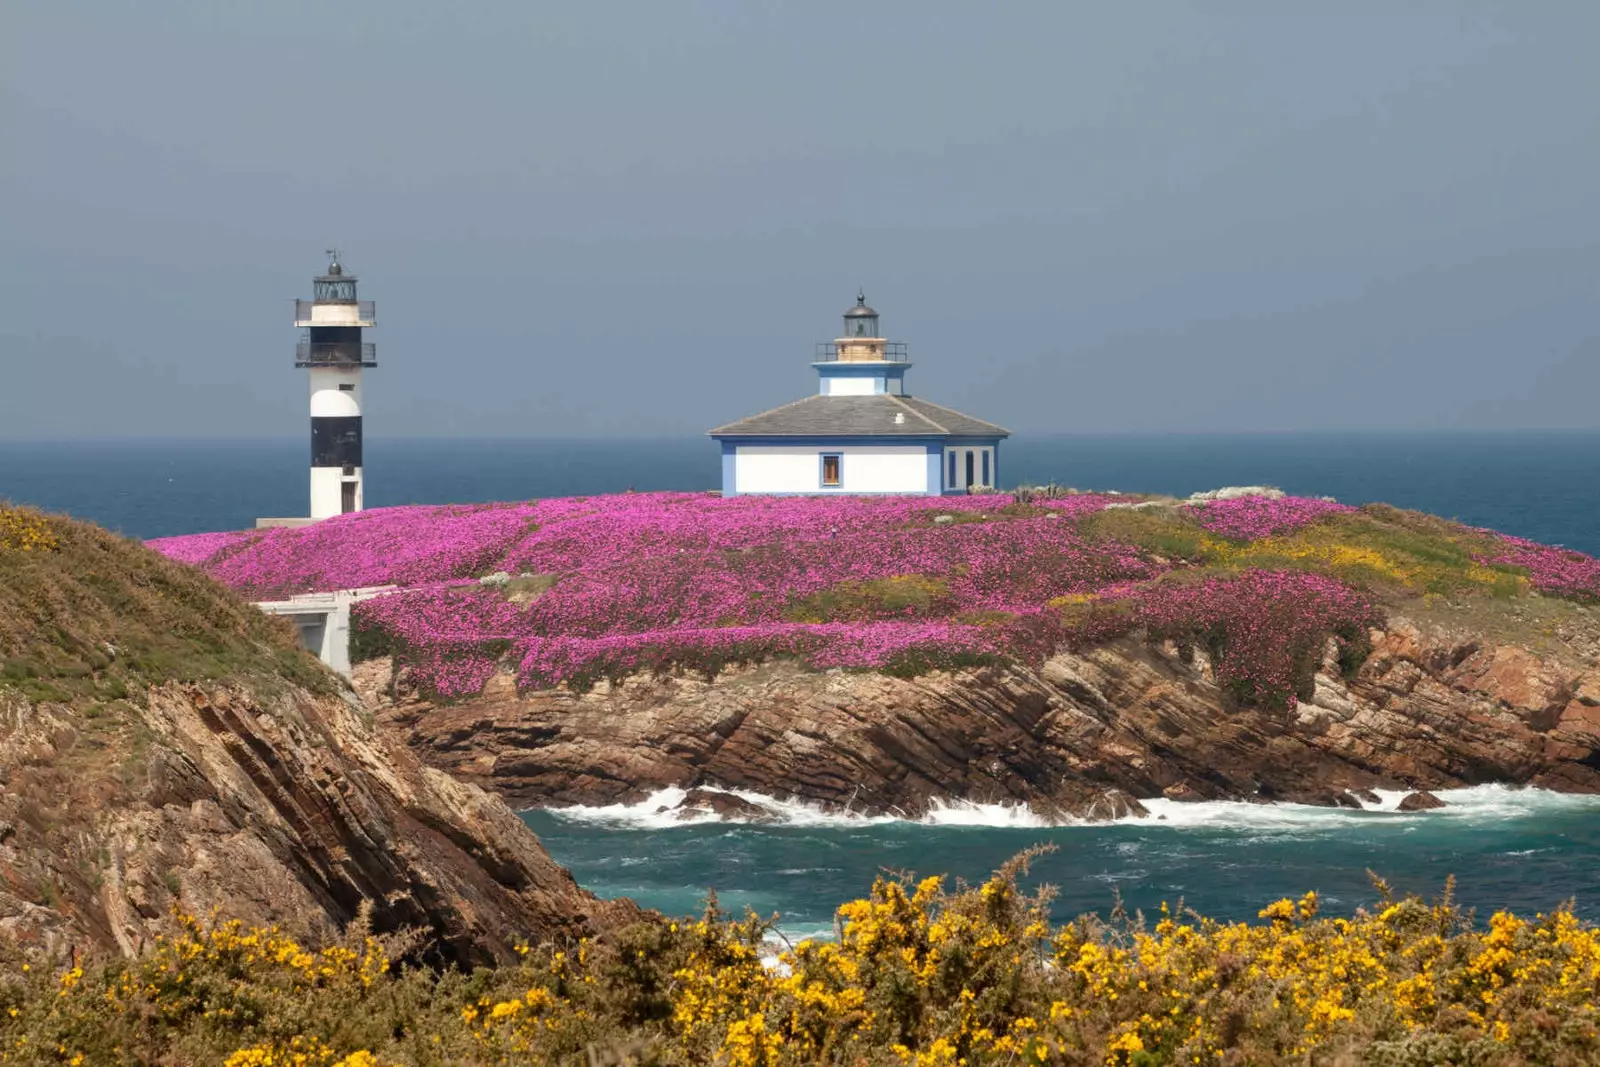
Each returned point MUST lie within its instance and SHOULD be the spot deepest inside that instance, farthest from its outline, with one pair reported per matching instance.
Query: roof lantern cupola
(861, 321)
(861, 361)
(334, 287)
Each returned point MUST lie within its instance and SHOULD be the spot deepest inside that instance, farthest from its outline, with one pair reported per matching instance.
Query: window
(832, 469)
(971, 474)
(986, 480)
(336, 441)
(952, 469)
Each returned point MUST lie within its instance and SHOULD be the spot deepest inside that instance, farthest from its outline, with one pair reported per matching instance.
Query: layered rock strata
(1082, 736)
(291, 810)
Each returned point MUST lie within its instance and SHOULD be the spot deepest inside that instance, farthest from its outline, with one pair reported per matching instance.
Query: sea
(1523, 849)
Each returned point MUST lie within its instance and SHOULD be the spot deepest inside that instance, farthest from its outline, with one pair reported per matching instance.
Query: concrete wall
(327, 492)
(336, 315)
(798, 469)
(861, 379)
(832, 386)
(324, 621)
(326, 396)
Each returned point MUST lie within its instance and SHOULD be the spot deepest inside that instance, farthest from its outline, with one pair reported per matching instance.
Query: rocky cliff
(1439, 702)
(1241, 643)
(166, 748)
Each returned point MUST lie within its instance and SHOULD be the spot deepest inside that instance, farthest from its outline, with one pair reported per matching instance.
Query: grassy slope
(91, 619)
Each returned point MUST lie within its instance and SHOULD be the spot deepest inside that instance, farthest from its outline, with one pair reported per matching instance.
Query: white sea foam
(1484, 803)
(660, 810)
(966, 813)
(1487, 803)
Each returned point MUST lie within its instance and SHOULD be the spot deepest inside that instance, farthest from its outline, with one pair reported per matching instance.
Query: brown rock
(1420, 801)
(1431, 708)
(699, 802)
(1111, 805)
(289, 809)
(1580, 718)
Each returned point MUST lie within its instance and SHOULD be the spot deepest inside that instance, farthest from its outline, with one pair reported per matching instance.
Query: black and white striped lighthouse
(332, 350)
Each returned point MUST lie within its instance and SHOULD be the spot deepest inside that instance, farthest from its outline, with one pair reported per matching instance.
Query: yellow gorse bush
(1342, 550)
(23, 530)
(920, 973)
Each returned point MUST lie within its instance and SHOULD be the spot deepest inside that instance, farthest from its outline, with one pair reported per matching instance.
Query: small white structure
(862, 432)
(324, 621)
(332, 350)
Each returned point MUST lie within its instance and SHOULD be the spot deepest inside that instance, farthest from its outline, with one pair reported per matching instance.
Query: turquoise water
(1523, 849)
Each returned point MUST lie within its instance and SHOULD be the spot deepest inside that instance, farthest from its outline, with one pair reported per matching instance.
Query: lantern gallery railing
(893, 352)
(335, 354)
(366, 313)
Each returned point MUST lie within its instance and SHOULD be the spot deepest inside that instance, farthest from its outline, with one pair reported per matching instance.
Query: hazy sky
(637, 218)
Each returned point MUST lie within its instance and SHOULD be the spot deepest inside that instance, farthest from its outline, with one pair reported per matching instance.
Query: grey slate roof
(860, 416)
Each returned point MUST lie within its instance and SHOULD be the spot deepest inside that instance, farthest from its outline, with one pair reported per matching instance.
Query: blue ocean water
(1540, 485)
(1525, 849)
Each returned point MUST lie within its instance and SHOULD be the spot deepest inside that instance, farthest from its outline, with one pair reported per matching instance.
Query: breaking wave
(661, 811)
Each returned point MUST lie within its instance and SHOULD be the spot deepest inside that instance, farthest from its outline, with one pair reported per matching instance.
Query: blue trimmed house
(861, 432)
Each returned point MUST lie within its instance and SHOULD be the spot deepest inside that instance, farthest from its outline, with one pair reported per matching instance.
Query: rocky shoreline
(1081, 738)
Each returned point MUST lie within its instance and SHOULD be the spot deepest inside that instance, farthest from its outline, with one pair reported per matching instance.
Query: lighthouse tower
(332, 351)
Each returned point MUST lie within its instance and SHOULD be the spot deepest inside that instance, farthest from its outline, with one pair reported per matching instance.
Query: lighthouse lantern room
(333, 353)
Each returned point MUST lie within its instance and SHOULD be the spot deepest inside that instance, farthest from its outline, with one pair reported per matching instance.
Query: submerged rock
(699, 802)
(1112, 805)
(1419, 801)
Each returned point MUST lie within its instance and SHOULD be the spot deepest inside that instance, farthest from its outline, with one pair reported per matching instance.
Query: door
(347, 497)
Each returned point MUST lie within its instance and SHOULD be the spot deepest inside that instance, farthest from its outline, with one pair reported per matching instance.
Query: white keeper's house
(861, 432)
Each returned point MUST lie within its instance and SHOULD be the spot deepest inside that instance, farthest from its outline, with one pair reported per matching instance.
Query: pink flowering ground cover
(1265, 630)
(607, 586)
(1250, 518)
(1560, 571)
(198, 548)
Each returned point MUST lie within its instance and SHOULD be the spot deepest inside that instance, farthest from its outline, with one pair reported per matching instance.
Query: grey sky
(637, 218)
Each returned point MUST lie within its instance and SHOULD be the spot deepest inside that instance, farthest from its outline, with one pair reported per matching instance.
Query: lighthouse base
(335, 491)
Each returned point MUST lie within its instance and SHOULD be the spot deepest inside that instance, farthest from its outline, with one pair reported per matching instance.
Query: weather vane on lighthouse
(332, 351)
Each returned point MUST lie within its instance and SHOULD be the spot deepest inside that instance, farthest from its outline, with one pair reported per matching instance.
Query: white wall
(327, 399)
(851, 386)
(960, 452)
(326, 495)
(798, 469)
(335, 315)
(324, 621)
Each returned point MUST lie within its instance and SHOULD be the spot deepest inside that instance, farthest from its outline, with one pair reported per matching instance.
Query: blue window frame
(952, 469)
(832, 470)
(986, 480)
